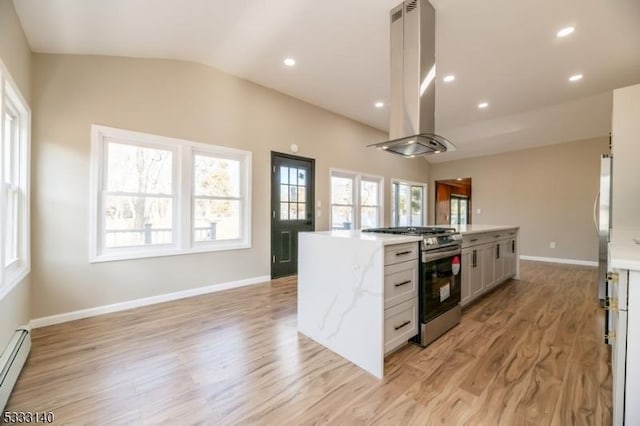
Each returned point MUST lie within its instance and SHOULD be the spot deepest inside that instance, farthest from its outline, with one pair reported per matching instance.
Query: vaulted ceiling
(503, 52)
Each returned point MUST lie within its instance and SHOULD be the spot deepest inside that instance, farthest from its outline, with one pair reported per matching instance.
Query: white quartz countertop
(479, 229)
(624, 252)
(384, 239)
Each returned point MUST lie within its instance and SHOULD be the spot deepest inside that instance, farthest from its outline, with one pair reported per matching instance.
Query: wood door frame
(312, 193)
(450, 182)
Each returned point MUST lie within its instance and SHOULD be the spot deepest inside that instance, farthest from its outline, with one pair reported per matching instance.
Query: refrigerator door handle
(595, 212)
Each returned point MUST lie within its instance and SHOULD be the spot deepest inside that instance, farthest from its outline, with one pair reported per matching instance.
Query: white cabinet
(401, 275)
(465, 279)
(488, 265)
(488, 259)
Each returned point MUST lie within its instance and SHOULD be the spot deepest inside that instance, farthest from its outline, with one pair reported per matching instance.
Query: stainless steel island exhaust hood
(413, 91)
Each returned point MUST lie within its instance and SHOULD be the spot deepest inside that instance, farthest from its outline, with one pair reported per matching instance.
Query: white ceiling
(504, 52)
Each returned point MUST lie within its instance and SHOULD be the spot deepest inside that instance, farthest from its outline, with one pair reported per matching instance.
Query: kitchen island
(358, 292)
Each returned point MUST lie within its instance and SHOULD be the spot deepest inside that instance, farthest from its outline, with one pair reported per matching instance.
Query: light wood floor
(528, 353)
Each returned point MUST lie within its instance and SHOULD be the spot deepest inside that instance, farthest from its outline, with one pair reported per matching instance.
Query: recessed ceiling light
(575, 77)
(379, 104)
(483, 105)
(412, 156)
(449, 78)
(459, 179)
(437, 152)
(385, 147)
(289, 62)
(565, 31)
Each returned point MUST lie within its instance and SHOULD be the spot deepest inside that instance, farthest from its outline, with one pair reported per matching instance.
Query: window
(459, 210)
(15, 127)
(293, 187)
(156, 196)
(408, 203)
(356, 200)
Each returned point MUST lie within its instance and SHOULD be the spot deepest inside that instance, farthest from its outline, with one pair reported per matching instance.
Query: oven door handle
(426, 257)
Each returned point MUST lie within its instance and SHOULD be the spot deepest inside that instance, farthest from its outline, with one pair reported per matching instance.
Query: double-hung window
(408, 203)
(15, 127)
(155, 196)
(356, 200)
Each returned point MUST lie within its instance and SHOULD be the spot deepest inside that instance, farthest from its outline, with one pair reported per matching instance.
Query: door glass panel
(284, 175)
(302, 193)
(284, 211)
(416, 205)
(293, 193)
(463, 212)
(293, 211)
(404, 199)
(284, 193)
(454, 211)
(293, 176)
(302, 211)
(302, 177)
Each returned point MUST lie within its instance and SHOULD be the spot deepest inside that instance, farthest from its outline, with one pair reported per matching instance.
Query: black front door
(292, 209)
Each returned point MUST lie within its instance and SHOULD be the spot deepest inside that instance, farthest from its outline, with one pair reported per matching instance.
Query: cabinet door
(476, 272)
(488, 265)
(467, 261)
(499, 261)
(511, 249)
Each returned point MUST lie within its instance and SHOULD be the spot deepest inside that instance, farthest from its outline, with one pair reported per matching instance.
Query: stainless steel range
(440, 281)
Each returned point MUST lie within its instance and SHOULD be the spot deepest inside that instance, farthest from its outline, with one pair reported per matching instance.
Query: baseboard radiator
(11, 362)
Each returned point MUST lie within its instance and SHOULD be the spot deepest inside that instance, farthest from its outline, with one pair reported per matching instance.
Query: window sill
(163, 252)
(13, 280)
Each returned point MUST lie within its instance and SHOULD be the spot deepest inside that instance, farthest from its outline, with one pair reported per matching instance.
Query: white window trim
(183, 195)
(357, 178)
(424, 199)
(14, 273)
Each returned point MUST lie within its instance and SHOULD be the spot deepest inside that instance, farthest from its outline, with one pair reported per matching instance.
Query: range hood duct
(413, 87)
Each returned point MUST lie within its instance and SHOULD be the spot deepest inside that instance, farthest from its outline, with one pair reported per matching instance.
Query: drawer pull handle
(473, 240)
(404, 324)
(496, 236)
(402, 253)
(403, 283)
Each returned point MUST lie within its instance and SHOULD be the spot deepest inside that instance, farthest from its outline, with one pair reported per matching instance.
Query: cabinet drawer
(398, 253)
(400, 283)
(475, 240)
(400, 324)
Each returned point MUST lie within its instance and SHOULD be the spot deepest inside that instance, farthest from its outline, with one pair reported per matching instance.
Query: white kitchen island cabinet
(624, 325)
(358, 293)
(489, 258)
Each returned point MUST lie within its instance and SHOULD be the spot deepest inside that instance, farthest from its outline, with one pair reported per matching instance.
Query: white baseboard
(136, 303)
(558, 260)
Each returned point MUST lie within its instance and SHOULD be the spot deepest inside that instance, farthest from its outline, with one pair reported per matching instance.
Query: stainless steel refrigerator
(602, 220)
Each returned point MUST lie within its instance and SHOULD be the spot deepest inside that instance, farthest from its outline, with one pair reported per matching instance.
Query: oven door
(439, 282)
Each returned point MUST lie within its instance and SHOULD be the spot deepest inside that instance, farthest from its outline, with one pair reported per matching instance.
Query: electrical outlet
(552, 244)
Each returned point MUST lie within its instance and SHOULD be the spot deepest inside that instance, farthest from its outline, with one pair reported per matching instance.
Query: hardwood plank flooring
(529, 353)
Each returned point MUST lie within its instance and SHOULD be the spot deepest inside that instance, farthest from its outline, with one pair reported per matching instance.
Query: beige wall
(16, 56)
(548, 191)
(175, 99)
(626, 157)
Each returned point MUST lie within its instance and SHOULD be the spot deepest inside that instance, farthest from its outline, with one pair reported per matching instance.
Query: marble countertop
(384, 239)
(624, 252)
(478, 229)
(387, 239)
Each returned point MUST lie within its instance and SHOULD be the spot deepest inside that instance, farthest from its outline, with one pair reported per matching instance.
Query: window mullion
(183, 188)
